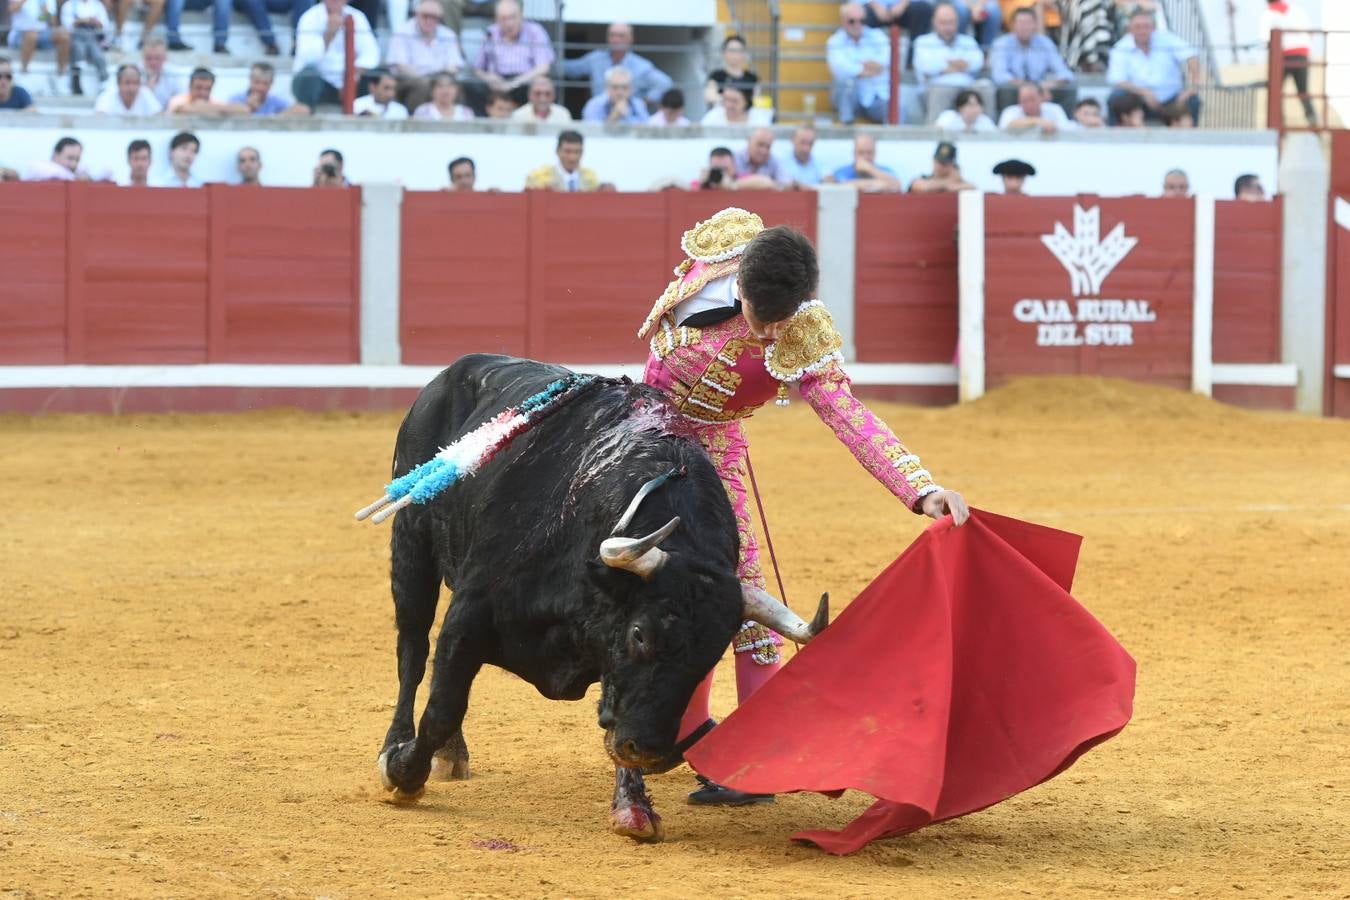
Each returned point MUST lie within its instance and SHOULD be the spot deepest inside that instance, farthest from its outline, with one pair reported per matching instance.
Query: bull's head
(682, 616)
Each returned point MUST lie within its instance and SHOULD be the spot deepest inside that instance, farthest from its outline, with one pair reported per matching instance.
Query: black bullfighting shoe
(714, 794)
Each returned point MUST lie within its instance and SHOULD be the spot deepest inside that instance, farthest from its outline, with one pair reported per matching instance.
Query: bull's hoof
(637, 823)
(446, 769)
(397, 793)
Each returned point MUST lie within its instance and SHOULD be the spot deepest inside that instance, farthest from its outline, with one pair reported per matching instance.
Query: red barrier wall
(1338, 313)
(554, 276)
(1248, 271)
(906, 280)
(1022, 273)
(104, 275)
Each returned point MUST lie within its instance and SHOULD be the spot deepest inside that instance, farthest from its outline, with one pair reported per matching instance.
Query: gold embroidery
(705, 402)
(725, 233)
(809, 339)
(680, 289)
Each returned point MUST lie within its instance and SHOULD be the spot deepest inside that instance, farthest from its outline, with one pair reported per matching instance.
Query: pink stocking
(751, 676)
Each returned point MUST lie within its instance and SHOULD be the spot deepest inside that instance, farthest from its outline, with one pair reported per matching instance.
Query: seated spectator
(444, 105)
(541, 106)
(514, 53)
(330, 170)
(914, 16)
(757, 160)
(127, 96)
(946, 174)
(420, 48)
(967, 114)
(860, 65)
(801, 166)
(1025, 56)
(982, 18)
(380, 102)
(864, 173)
(671, 111)
(617, 104)
(720, 173)
(1176, 184)
(182, 154)
(248, 163)
(500, 105)
(8, 174)
(162, 83)
(256, 12)
(63, 166)
(34, 26)
(649, 82)
(1088, 114)
(463, 175)
(138, 164)
(320, 59)
(1154, 66)
(1177, 115)
(735, 110)
(1126, 110)
(567, 174)
(1014, 173)
(259, 98)
(86, 21)
(1048, 16)
(12, 97)
(1249, 188)
(947, 62)
(735, 68)
(1033, 111)
(198, 102)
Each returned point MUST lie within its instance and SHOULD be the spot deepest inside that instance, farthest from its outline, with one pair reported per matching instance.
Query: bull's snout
(628, 752)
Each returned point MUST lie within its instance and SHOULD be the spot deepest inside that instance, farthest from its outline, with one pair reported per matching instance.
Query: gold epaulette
(718, 243)
(808, 342)
(680, 290)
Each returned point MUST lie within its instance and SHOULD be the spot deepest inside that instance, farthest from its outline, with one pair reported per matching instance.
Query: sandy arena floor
(197, 667)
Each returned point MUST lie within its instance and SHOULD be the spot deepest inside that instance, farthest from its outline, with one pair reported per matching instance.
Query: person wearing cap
(1014, 173)
(946, 174)
(864, 173)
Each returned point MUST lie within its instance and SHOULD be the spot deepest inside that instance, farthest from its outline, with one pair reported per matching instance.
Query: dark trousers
(917, 18)
(1150, 114)
(1296, 67)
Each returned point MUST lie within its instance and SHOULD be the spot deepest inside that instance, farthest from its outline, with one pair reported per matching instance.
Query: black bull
(520, 546)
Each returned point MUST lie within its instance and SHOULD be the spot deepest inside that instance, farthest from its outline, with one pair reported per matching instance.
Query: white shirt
(556, 113)
(1289, 20)
(331, 60)
(428, 110)
(1052, 111)
(367, 106)
(109, 103)
(29, 16)
(659, 118)
(950, 120)
(83, 9)
(720, 293)
(757, 116)
(169, 179)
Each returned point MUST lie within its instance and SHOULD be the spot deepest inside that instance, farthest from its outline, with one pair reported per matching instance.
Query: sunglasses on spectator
(7, 76)
(852, 21)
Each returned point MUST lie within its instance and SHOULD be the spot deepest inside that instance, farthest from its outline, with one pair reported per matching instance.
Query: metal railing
(759, 23)
(1187, 21)
(1318, 78)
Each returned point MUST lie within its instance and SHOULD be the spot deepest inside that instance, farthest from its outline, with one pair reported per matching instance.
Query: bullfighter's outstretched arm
(807, 351)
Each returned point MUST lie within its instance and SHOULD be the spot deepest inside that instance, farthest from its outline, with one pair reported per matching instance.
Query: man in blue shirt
(11, 95)
(1155, 66)
(860, 67)
(800, 165)
(1023, 56)
(616, 105)
(864, 171)
(649, 82)
(948, 62)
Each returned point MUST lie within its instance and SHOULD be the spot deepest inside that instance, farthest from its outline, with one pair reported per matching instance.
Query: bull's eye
(637, 636)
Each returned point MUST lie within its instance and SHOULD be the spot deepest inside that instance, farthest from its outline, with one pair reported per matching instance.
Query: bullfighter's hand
(940, 503)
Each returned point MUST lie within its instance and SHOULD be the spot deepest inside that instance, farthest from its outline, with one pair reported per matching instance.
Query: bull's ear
(609, 580)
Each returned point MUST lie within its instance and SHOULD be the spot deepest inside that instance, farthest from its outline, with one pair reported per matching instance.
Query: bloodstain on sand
(197, 667)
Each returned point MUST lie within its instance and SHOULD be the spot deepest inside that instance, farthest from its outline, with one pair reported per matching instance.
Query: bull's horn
(626, 519)
(766, 609)
(641, 556)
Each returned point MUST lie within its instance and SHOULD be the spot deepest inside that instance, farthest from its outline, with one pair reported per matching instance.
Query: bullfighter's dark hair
(778, 273)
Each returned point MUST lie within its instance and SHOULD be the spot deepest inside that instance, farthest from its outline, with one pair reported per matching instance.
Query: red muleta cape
(964, 674)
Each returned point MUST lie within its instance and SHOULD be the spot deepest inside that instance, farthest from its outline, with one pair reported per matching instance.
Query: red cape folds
(964, 674)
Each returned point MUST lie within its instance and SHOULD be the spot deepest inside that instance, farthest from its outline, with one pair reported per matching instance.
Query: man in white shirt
(34, 26)
(128, 96)
(1034, 110)
(380, 102)
(419, 48)
(671, 111)
(138, 164)
(948, 62)
(320, 60)
(1296, 47)
(182, 154)
(541, 107)
(163, 83)
(249, 165)
(860, 62)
